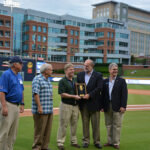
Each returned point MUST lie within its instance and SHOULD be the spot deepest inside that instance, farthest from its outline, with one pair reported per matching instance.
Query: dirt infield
(27, 112)
(139, 92)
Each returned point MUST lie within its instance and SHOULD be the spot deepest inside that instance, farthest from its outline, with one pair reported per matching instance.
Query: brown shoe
(108, 144)
(61, 147)
(75, 145)
(116, 146)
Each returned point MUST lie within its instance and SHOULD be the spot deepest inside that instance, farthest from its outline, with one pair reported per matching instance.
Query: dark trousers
(95, 121)
(42, 130)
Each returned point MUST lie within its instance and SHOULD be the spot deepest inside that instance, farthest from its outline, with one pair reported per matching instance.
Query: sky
(80, 8)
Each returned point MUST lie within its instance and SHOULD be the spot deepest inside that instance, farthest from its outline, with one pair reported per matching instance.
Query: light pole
(11, 4)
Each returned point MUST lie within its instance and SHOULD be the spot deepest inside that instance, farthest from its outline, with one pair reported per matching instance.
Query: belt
(13, 103)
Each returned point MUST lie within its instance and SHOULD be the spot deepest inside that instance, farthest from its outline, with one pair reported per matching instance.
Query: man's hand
(122, 109)
(21, 108)
(40, 109)
(86, 96)
(77, 97)
(5, 111)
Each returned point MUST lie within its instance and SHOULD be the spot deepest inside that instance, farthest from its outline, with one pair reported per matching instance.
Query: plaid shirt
(43, 88)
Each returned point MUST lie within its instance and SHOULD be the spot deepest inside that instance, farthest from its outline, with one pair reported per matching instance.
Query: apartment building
(136, 19)
(65, 38)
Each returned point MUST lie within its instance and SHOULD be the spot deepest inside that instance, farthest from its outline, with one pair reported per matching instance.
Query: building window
(76, 33)
(100, 34)
(76, 42)
(112, 43)
(7, 23)
(34, 28)
(100, 43)
(44, 48)
(72, 32)
(108, 43)
(71, 41)
(1, 22)
(112, 35)
(7, 44)
(39, 38)
(71, 50)
(34, 37)
(7, 33)
(1, 33)
(44, 30)
(33, 47)
(108, 34)
(39, 29)
(39, 47)
(44, 38)
(1, 43)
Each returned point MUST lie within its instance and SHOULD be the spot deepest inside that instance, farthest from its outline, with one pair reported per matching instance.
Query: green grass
(132, 98)
(138, 73)
(135, 133)
(139, 87)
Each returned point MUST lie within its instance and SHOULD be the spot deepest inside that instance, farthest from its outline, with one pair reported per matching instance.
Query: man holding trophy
(90, 104)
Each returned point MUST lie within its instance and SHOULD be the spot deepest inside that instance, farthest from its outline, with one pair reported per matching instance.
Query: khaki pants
(42, 130)
(68, 114)
(8, 126)
(95, 121)
(113, 121)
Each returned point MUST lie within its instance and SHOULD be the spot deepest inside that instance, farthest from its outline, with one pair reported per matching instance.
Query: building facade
(137, 21)
(65, 38)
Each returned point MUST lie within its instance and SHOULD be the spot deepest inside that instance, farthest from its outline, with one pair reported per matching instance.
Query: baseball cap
(15, 59)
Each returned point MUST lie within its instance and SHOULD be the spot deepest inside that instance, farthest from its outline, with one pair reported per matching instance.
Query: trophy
(81, 89)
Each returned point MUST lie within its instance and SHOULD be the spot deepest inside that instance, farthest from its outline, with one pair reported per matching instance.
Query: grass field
(132, 98)
(138, 73)
(135, 133)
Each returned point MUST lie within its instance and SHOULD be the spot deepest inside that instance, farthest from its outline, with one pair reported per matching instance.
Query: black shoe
(85, 145)
(61, 148)
(98, 146)
(75, 145)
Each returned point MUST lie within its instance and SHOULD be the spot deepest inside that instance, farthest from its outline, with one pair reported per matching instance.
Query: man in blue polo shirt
(11, 95)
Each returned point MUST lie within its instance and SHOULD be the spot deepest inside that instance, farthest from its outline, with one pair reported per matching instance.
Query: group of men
(105, 95)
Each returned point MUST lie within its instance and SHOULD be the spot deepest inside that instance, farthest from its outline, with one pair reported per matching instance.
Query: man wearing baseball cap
(11, 96)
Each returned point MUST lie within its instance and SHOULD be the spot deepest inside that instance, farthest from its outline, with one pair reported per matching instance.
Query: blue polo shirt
(12, 85)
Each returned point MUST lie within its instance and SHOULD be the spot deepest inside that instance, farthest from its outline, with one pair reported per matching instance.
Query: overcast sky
(80, 8)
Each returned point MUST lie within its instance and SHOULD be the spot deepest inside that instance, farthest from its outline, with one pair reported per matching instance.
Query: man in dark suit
(115, 101)
(90, 105)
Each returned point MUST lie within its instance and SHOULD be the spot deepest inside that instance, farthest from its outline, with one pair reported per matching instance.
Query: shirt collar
(89, 73)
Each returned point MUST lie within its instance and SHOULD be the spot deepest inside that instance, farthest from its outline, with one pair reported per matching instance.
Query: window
(76, 42)
(108, 34)
(1, 33)
(34, 37)
(44, 38)
(44, 30)
(71, 41)
(1, 22)
(100, 34)
(108, 43)
(100, 43)
(34, 28)
(44, 48)
(1, 43)
(7, 33)
(33, 47)
(76, 33)
(112, 43)
(39, 38)
(39, 47)
(39, 29)
(112, 35)
(7, 44)
(7, 23)
(72, 32)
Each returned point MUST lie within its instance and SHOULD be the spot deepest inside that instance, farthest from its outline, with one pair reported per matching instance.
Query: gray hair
(112, 65)
(44, 67)
(91, 62)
